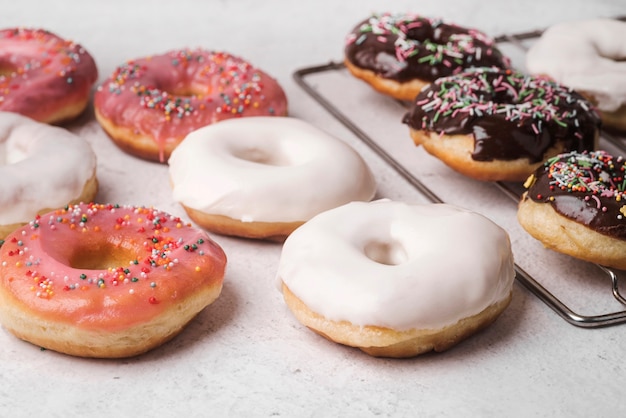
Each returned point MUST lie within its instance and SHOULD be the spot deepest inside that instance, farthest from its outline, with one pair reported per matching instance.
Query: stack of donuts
(99, 279)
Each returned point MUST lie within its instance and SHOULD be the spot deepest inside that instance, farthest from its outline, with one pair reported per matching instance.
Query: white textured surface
(245, 355)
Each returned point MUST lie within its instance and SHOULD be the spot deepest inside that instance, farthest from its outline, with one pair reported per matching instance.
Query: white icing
(267, 169)
(587, 56)
(41, 167)
(396, 265)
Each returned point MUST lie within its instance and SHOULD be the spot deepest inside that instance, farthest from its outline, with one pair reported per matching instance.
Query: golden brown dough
(456, 152)
(406, 90)
(271, 231)
(386, 342)
(378, 276)
(566, 236)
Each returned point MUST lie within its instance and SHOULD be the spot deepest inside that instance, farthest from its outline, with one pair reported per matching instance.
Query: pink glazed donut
(149, 105)
(106, 281)
(43, 76)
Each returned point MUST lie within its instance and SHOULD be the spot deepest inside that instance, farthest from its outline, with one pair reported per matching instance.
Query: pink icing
(159, 262)
(167, 96)
(40, 72)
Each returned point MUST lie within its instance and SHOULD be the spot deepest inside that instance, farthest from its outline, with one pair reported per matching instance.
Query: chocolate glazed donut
(585, 187)
(405, 47)
(575, 205)
(509, 117)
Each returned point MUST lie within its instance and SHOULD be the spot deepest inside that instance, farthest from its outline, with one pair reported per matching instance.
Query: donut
(398, 54)
(588, 56)
(106, 281)
(575, 204)
(396, 279)
(263, 177)
(500, 125)
(148, 105)
(43, 167)
(43, 76)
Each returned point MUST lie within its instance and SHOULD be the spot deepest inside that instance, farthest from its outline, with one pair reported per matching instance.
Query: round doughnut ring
(263, 177)
(106, 281)
(576, 204)
(500, 125)
(43, 76)
(394, 279)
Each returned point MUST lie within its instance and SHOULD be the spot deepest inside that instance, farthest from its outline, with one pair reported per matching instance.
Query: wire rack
(517, 43)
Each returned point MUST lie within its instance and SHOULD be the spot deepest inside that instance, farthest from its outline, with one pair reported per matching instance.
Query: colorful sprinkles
(62, 59)
(594, 173)
(208, 76)
(429, 42)
(452, 52)
(515, 97)
(596, 179)
(162, 248)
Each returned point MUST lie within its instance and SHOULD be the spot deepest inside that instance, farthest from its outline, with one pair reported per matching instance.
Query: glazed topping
(110, 262)
(238, 85)
(586, 187)
(264, 169)
(509, 114)
(36, 66)
(167, 96)
(407, 46)
(42, 166)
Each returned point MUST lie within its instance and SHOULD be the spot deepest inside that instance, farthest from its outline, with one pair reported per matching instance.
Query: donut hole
(185, 88)
(101, 257)
(13, 150)
(261, 156)
(188, 91)
(391, 253)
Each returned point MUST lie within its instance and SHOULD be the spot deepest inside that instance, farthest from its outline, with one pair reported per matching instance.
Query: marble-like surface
(246, 355)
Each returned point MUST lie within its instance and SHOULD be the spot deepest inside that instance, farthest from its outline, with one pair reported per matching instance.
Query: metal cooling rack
(511, 190)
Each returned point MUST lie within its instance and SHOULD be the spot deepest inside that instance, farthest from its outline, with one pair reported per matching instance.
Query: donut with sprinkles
(106, 281)
(44, 76)
(575, 204)
(148, 105)
(500, 125)
(398, 54)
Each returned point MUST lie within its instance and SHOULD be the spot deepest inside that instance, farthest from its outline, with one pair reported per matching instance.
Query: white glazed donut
(394, 279)
(42, 167)
(262, 177)
(588, 56)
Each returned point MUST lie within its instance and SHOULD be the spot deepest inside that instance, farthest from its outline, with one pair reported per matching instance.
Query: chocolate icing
(510, 115)
(406, 47)
(587, 188)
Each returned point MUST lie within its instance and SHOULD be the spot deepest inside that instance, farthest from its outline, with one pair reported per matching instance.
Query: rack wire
(509, 189)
